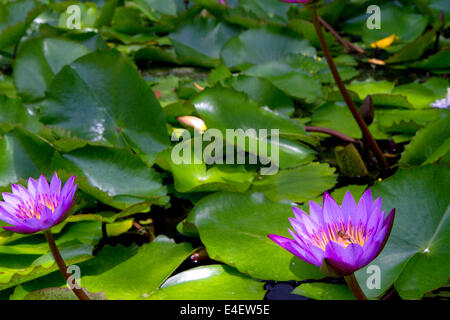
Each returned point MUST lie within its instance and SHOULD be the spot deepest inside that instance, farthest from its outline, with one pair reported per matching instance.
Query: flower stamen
(342, 234)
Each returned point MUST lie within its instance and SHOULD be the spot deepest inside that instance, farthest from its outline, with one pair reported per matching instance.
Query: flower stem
(348, 46)
(354, 287)
(351, 105)
(330, 132)
(62, 265)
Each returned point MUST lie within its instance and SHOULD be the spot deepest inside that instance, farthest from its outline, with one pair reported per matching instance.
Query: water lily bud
(193, 122)
(367, 110)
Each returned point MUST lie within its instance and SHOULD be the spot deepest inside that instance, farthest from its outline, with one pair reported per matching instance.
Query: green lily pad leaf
(302, 86)
(416, 257)
(17, 269)
(37, 62)
(155, 53)
(7, 86)
(256, 46)
(421, 95)
(405, 121)
(15, 18)
(225, 108)
(265, 93)
(234, 228)
(123, 178)
(199, 41)
(108, 102)
(429, 145)
(106, 14)
(307, 30)
(439, 61)
(214, 282)
(154, 9)
(196, 177)
(135, 272)
(402, 21)
(370, 87)
(23, 155)
(300, 76)
(298, 184)
(268, 10)
(87, 232)
(415, 49)
(14, 112)
(324, 291)
(337, 116)
(293, 154)
(117, 228)
(126, 23)
(60, 294)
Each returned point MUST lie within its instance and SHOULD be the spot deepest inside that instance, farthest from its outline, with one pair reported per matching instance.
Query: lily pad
(108, 102)
(324, 291)
(298, 184)
(214, 282)
(429, 145)
(199, 42)
(256, 46)
(14, 112)
(37, 62)
(15, 18)
(23, 155)
(135, 272)
(234, 228)
(121, 175)
(416, 257)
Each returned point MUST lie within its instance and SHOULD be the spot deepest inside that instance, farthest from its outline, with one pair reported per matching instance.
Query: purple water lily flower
(339, 239)
(39, 207)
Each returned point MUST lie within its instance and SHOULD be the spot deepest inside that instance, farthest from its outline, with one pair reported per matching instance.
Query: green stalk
(354, 287)
(351, 105)
(62, 265)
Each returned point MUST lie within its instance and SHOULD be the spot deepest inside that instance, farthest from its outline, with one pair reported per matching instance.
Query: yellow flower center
(33, 209)
(342, 234)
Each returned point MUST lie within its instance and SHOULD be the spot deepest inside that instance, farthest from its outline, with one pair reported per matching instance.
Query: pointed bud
(193, 122)
(367, 110)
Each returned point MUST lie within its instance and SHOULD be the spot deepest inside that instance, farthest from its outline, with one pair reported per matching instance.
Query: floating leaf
(234, 228)
(215, 282)
(199, 42)
(416, 257)
(324, 291)
(37, 62)
(108, 102)
(14, 112)
(298, 184)
(256, 46)
(119, 174)
(15, 18)
(429, 145)
(60, 294)
(135, 272)
(23, 155)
